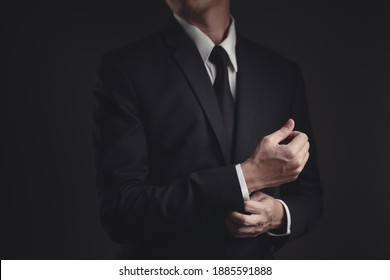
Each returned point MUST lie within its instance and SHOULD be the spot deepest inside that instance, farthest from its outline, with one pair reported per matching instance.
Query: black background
(50, 52)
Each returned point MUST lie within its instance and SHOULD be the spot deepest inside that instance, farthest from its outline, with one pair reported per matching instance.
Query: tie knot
(219, 56)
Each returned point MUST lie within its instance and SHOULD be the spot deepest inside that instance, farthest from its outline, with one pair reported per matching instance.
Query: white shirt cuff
(241, 180)
(288, 216)
(245, 196)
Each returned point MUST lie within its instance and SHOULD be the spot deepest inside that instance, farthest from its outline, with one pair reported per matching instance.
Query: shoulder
(138, 52)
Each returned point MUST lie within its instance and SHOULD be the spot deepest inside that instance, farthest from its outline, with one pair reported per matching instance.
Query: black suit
(165, 176)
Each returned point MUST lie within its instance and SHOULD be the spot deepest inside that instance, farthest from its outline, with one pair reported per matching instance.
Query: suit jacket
(165, 175)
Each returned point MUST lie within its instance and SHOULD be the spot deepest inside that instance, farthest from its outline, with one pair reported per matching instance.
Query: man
(194, 156)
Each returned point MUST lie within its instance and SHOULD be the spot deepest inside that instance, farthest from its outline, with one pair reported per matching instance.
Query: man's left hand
(262, 213)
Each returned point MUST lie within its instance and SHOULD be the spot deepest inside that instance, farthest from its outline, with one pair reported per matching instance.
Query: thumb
(284, 131)
(258, 196)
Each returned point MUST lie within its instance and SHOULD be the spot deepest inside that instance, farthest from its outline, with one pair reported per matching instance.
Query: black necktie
(220, 59)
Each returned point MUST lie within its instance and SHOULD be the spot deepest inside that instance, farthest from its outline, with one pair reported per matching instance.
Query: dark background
(50, 52)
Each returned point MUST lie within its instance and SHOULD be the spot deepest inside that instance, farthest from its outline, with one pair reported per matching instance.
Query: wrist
(251, 174)
(279, 215)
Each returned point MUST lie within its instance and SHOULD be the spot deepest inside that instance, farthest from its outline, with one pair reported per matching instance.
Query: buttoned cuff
(241, 180)
(288, 216)
(245, 196)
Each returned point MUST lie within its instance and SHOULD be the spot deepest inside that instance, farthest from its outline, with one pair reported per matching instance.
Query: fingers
(296, 153)
(305, 159)
(283, 132)
(241, 232)
(258, 213)
(299, 159)
(260, 207)
(301, 154)
(244, 219)
(258, 196)
(257, 221)
(288, 139)
(297, 169)
(246, 231)
(299, 140)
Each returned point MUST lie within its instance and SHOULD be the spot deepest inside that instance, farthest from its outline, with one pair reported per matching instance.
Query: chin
(195, 7)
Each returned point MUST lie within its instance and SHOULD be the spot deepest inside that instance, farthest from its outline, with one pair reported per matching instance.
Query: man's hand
(263, 213)
(274, 163)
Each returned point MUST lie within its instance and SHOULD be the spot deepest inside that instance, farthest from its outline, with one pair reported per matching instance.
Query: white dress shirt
(205, 46)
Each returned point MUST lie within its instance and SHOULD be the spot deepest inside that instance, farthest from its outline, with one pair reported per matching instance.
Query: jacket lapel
(247, 98)
(191, 64)
(254, 98)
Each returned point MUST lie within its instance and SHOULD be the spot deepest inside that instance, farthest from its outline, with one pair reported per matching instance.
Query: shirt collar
(205, 45)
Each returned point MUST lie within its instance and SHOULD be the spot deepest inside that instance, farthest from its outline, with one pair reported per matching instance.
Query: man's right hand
(274, 163)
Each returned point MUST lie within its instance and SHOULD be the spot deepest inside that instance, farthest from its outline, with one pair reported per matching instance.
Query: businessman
(204, 147)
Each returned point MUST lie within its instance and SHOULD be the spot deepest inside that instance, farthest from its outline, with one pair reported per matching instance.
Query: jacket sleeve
(131, 207)
(304, 195)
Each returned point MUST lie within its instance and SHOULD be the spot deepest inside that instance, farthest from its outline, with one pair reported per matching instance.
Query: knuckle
(295, 163)
(262, 197)
(248, 209)
(301, 167)
(245, 221)
(256, 195)
(266, 140)
(260, 229)
(292, 162)
(296, 172)
(293, 175)
(289, 154)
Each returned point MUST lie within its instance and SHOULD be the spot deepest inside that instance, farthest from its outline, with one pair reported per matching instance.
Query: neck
(214, 23)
